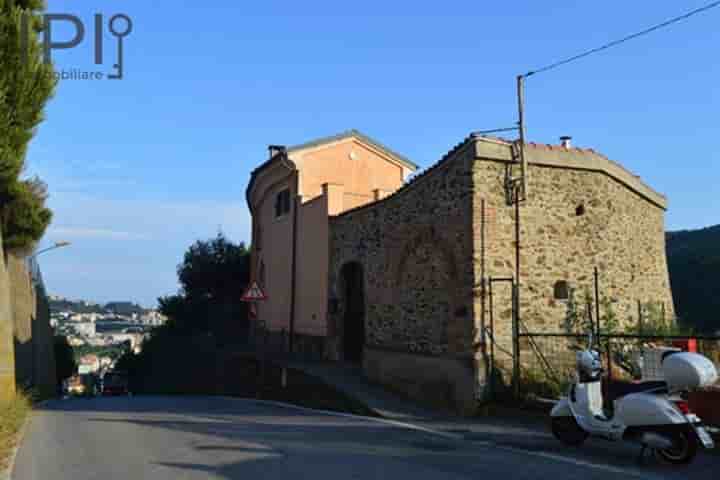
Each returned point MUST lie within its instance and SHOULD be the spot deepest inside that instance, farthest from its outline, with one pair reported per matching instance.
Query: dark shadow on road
(278, 435)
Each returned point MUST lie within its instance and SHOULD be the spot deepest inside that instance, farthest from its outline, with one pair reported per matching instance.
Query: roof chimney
(565, 141)
(275, 149)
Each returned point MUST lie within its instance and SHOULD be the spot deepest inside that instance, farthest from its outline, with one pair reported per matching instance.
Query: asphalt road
(220, 438)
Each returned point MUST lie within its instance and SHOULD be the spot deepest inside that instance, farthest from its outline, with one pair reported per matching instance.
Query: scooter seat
(617, 390)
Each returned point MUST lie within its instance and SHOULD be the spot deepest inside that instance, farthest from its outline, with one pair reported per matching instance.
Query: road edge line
(576, 461)
(485, 443)
(386, 421)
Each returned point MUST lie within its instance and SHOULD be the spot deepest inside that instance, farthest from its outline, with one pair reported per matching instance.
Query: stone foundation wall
(436, 381)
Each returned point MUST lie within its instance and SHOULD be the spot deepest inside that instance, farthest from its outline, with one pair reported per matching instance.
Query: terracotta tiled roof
(482, 137)
(353, 133)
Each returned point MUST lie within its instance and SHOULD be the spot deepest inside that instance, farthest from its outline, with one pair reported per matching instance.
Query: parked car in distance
(115, 383)
(75, 385)
(82, 385)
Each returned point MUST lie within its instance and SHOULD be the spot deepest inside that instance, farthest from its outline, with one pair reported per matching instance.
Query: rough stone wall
(7, 351)
(620, 232)
(415, 248)
(426, 251)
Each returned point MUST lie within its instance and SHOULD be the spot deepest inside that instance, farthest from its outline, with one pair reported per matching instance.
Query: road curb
(396, 423)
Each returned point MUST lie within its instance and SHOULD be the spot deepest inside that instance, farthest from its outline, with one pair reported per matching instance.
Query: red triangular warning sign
(253, 293)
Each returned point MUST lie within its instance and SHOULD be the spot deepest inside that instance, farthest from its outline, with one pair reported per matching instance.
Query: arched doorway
(353, 326)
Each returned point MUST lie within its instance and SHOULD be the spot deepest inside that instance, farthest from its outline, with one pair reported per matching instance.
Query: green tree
(694, 266)
(212, 276)
(182, 356)
(25, 216)
(26, 83)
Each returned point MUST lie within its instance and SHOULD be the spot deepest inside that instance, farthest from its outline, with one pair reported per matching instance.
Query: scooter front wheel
(567, 430)
(684, 449)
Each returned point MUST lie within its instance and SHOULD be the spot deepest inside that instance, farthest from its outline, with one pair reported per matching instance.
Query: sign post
(253, 294)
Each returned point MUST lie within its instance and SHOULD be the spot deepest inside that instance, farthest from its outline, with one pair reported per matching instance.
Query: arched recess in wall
(351, 326)
(425, 292)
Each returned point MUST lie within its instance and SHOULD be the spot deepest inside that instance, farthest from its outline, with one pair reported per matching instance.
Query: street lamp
(60, 244)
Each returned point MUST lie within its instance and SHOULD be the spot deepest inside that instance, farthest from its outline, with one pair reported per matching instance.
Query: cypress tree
(26, 84)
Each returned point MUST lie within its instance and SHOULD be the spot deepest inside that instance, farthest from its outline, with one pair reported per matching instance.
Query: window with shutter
(282, 203)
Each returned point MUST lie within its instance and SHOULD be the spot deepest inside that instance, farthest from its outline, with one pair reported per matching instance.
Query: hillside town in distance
(100, 334)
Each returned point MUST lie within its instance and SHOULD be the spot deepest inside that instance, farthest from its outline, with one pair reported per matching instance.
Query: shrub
(24, 214)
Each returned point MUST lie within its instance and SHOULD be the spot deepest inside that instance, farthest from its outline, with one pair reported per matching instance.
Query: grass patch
(12, 418)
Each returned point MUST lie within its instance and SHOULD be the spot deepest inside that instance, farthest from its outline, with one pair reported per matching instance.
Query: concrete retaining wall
(22, 301)
(27, 356)
(7, 351)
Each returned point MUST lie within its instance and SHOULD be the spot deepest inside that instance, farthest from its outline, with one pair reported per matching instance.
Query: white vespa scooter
(653, 414)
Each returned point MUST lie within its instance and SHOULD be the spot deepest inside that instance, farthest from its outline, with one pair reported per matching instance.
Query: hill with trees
(694, 264)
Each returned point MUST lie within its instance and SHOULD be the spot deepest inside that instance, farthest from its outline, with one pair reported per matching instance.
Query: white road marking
(575, 461)
(485, 443)
(395, 423)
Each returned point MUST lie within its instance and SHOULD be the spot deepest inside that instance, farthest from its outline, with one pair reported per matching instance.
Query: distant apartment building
(152, 318)
(74, 341)
(135, 339)
(86, 329)
(85, 317)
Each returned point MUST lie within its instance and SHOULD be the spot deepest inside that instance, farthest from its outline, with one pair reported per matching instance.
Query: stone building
(395, 274)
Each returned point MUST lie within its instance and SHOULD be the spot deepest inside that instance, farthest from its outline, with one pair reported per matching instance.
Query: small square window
(580, 210)
(282, 203)
(561, 290)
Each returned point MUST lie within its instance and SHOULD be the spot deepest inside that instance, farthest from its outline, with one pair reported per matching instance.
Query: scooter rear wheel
(684, 449)
(567, 430)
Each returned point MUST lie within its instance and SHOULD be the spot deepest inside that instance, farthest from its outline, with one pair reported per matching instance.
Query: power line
(495, 130)
(625, 39)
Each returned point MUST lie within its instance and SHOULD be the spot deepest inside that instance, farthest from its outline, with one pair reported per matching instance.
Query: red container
(705, 404)
(687, 345)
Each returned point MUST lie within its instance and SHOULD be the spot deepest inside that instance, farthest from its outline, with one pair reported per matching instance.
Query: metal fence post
(609, 355)
(516, 343)
(597, 303)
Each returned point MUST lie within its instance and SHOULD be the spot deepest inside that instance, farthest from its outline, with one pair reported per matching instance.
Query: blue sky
(140, 168)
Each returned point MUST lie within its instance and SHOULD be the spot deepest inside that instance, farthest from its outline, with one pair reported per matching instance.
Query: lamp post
(37, 282)
(60, 244)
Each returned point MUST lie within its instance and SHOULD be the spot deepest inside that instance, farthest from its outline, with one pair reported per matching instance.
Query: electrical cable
(624, 39)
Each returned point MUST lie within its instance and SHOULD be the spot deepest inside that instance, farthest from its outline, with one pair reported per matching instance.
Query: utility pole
(517, 194)
(521, 131)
